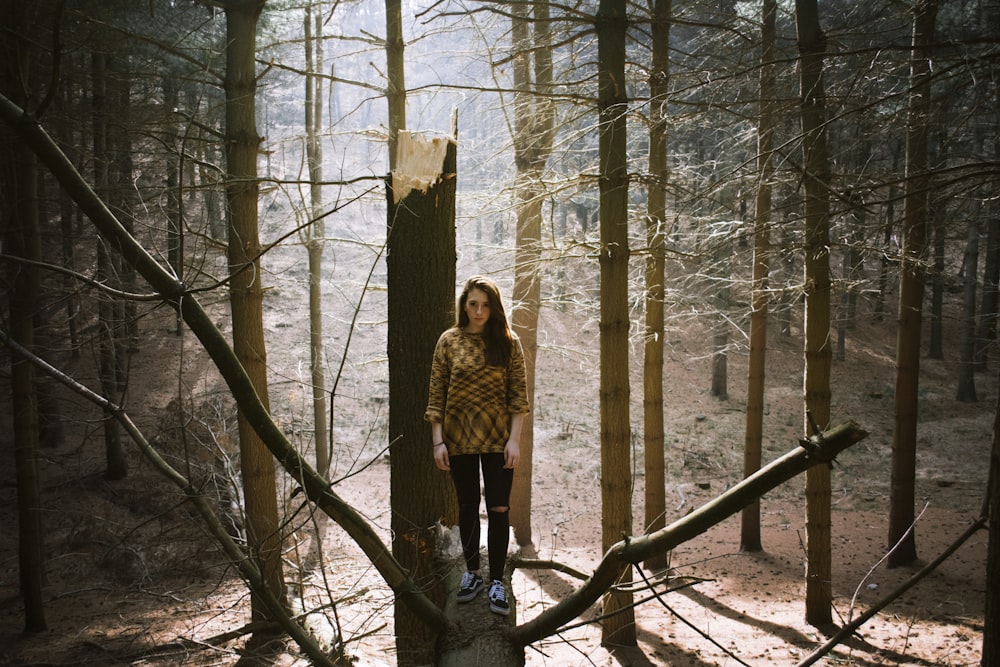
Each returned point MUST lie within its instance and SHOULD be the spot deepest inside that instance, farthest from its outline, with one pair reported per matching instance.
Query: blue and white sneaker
(498, 598)
(470, 587)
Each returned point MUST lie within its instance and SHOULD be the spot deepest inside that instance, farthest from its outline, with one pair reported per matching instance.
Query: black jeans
(497, 482)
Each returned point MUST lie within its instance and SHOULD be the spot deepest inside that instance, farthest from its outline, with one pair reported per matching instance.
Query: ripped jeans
(497, 482)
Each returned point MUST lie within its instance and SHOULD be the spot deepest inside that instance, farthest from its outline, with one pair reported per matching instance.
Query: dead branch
(849, 629)
(819, 449)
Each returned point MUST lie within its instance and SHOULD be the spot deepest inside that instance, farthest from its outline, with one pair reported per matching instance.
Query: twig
(849, 629)
(688, 623)
(850, 611)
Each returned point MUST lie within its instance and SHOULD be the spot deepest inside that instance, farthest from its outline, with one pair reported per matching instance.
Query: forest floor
(131, 579)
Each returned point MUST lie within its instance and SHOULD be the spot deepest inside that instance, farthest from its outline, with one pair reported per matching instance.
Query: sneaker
(470, 587)
(498, 598)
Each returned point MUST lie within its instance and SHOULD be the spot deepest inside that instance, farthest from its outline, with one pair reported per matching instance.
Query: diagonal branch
(175, 293)
(243, 563)
(819, 449)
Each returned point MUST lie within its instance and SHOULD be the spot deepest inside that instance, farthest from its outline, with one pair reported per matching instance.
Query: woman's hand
(511, 454)
(441, 457)
(512, 451)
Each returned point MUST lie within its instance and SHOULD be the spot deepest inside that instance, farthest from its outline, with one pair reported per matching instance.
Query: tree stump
(478, 636)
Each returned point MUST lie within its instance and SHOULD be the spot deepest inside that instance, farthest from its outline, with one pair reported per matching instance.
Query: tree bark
(721, 273)
(395, 75)
(991, 509)
(911, 293)
(315, 233)
(939, 241)
(109, 350)
(19, 209)
(818, 352)
(987, 332)
(23, 239)
(246, 292)
(756, 370)
(966, 391)
(173, 182)
(616, 477)
(421, 242)
(653, 441)
(534, 129)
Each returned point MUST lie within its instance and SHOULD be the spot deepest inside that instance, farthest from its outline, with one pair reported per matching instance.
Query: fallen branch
(179, 296)
(821, 449)
(243, 563)
(849, 629)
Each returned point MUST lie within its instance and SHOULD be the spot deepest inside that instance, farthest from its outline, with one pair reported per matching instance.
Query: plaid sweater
(474, 401)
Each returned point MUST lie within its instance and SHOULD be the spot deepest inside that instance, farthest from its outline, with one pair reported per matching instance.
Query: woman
(477, 402)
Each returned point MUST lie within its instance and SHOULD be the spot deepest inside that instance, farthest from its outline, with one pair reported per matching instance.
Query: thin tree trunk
(534, 129)
(395, 75)
(19, 210)
(246, 292)
(818, 353)
(935, 343)
(991, 509)
(911, 293)
(750, 519)
(616, 476)
(721, 270)
(421, 241)
(175, 225)
(967, 338)
(316, 231)
(121, 170)
(108, 355)
(987, 332)
(654, 460)
(23, 240)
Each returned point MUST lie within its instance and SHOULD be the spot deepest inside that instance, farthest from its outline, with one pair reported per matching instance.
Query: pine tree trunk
(967, 337)
(23, 240)
(911, 294)
(396, 79)
(935, 343)
(315, 233)
(987, 333)
(818, 353)
(750, 518)
(654, 464)
(246, 292)
(108, 322)
(616, 475)
(175, 225)
(534, 129)
(721, 270)
(991, 614)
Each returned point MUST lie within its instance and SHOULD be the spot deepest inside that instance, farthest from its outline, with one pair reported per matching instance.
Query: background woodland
(212, 272)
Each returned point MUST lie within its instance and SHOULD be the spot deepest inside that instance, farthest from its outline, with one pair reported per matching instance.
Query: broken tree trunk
(420, 277)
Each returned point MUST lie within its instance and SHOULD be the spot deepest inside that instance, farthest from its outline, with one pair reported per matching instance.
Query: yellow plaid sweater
(471, 400)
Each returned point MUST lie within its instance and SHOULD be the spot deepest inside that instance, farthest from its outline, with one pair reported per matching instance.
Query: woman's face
(477, 307)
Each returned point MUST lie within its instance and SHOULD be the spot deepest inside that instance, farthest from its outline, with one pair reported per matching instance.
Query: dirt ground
(129, 571)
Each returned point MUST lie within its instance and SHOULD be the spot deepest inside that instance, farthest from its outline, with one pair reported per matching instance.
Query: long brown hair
(499, 340)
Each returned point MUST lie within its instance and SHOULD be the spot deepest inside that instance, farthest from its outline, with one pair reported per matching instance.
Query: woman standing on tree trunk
(477, 402)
